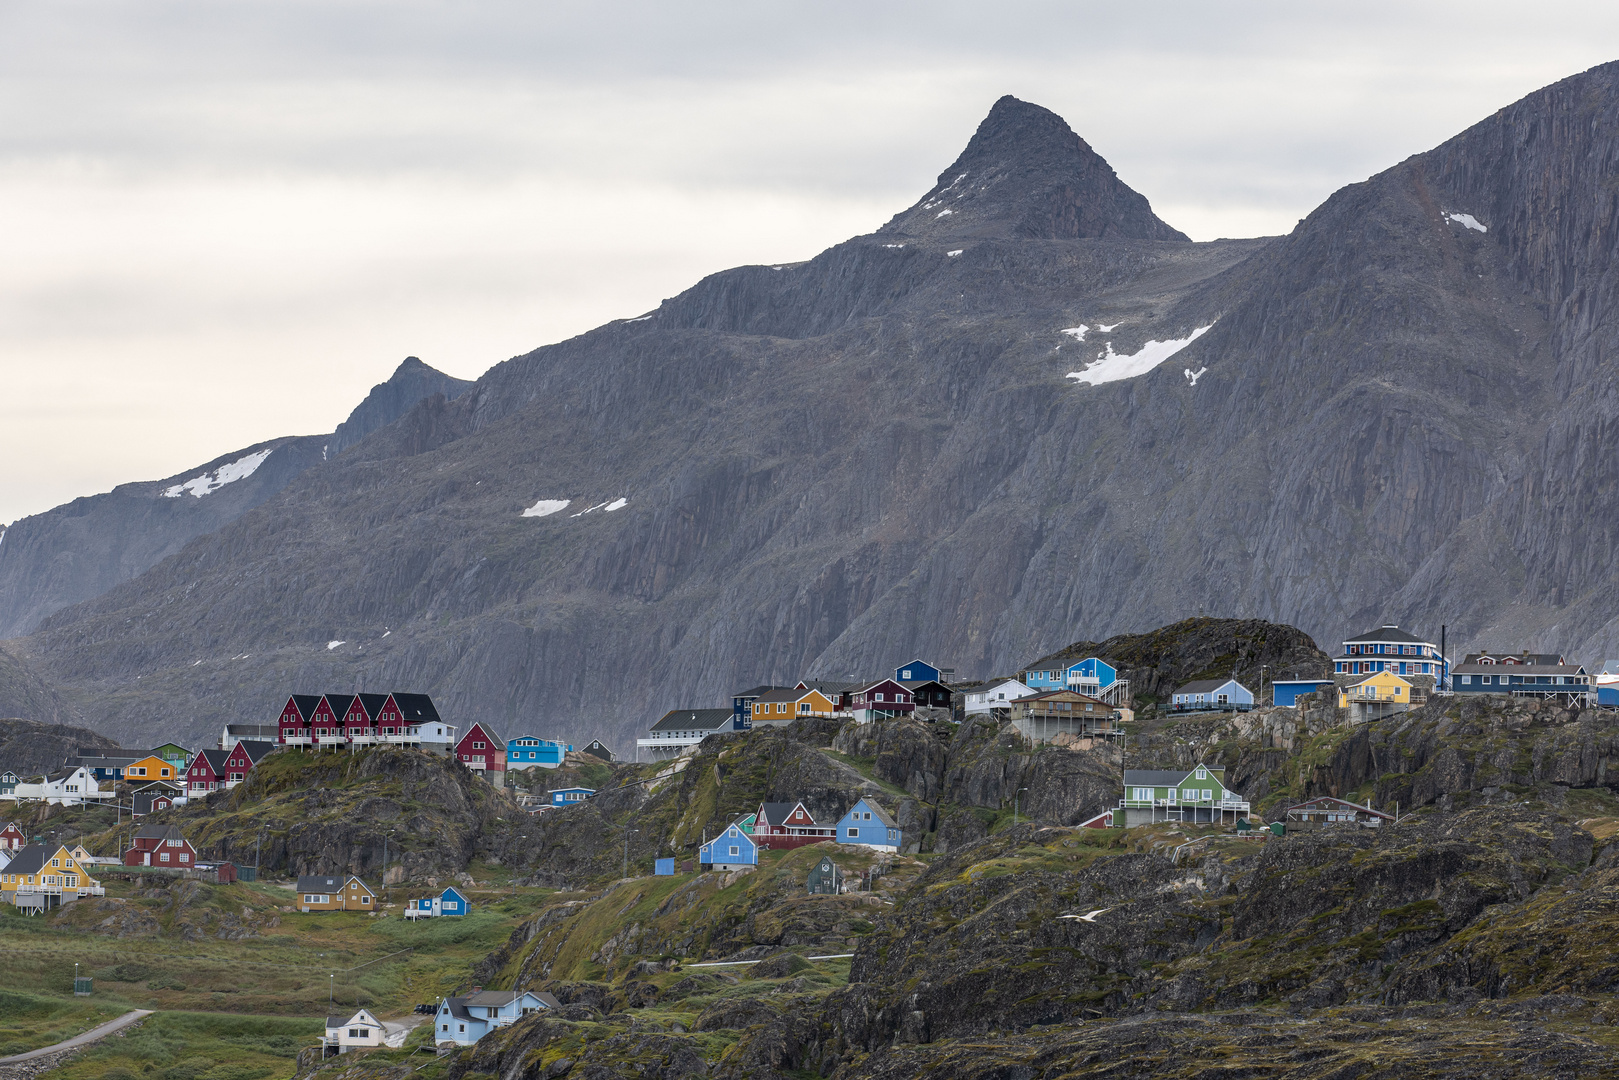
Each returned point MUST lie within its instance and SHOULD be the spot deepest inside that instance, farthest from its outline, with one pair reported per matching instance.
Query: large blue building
(529, 751)
(1388, 648)
(1525, 674)
(1287, 692)
(1089, 676)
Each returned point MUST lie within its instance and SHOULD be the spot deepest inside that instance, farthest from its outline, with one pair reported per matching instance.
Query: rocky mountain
(81, 549)
(973, 436)
(29, 747)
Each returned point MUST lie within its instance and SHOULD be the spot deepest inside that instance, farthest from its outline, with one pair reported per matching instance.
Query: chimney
(477, 990)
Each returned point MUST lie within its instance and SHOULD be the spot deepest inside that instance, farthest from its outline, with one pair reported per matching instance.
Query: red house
(881, 700)
(241, 759)
(297, 718)
(483, 751)
(12, 838)
(161, 845)
(207, 772)
(782, 826)
(149, 802)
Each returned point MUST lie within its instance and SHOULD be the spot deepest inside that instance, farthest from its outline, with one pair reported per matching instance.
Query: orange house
(151, 768)
(785, 706)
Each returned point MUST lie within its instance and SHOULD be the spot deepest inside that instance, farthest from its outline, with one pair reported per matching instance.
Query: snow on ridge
(953, 254)
(616, 504)
(546, 507)
(1109, 329)
(1468, 220)
(893, 245)
(608, 507)
(643, 318)
(240, 469)
(330, 645)
(942, 213)
(1077, 332)
(1112, 367)
(1193, 376)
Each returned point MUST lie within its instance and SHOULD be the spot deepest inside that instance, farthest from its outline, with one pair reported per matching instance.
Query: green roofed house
(1193, 797)
(173, 753)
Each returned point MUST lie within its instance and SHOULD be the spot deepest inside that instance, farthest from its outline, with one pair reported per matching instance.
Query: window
(735, 850)
(365, 899)
(163, 857)
(1189, 794)
(1208, 795)
(184, 857)
(477, 746)
(1202, 773)
(354, 1033)
(56, 862)
(1467, 680)
(853, 831)
(1486, 679)
(879, 697)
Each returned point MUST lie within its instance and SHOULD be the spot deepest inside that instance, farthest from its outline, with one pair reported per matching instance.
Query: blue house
(1606, 695)
(569, 795)
(1538, 675)
(527, 751)
(1089, 676)
(869, 825)
(1286, 692)
(448, 902)
(1212, 694)
(733, 847)
(462, 1021)
(917, 671)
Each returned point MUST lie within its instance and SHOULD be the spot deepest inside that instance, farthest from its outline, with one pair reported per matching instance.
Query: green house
(746, 824)
(173, 753)
(1195, 796)
(825, 878)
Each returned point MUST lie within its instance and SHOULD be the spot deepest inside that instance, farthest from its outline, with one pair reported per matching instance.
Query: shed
(825, 878)
(663, 867)
(1286, 692)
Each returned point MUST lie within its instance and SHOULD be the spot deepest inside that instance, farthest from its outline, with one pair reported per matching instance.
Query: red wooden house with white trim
(781, 826)
(297, 719)
(160, 845)
(206, 772)
(483, 751)
(333, 715)
(881, 700)
(12, 838)
(241, 759)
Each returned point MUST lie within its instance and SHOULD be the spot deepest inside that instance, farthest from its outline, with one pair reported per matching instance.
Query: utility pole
(627, 851)
(1015, 799)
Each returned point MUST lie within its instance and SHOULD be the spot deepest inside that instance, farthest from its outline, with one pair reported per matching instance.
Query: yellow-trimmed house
(44, 876)
(1380, 694)
(335, 892)
(149, 768)
(785, 706)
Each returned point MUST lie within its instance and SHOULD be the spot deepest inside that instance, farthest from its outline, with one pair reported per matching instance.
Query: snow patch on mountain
(546, 506)
(1112, 367)
(1470, 221)
(240, 469)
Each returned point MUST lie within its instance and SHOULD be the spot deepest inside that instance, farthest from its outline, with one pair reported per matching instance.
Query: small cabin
(825, 878)
(1286, 692)
(569, 795)
(868, 825)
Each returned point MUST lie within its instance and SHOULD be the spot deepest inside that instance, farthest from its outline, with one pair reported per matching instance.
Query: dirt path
(77, 1041)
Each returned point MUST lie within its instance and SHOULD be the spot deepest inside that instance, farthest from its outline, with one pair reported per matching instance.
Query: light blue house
(569, 795)
(462, 1021)
(1203, 695)
(1091, 675)
(1286, 692)
(733, 847)
(917, 671)
(529, 751)
(869, 825)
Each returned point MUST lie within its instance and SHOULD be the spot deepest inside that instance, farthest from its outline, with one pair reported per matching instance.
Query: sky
(223, 222)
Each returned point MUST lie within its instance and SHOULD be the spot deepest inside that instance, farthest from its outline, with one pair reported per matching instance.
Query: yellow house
(785, 706)
(46, 870)
(335, 892)
(1384, 687)
(150, 768)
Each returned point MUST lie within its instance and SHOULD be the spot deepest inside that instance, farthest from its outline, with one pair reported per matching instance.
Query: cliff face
(1394, 414)
(29, 747)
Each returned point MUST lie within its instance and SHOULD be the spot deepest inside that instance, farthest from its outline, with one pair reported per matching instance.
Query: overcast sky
(223, 222)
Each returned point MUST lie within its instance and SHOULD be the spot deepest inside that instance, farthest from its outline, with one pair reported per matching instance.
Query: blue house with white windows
(733, 847)
(1203, 695)
(448, 902)
(917, 671)
(529, 751)
(1089, 676)
(1286, 692)
(462, 1021)
(569, 795)
(869, 825)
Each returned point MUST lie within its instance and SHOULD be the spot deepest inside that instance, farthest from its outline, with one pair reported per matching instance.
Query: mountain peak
(411, 381)
(1025, 174)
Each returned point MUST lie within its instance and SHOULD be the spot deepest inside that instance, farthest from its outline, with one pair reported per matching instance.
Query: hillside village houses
(1524, 674)
(1202, 695)
(462, 1021)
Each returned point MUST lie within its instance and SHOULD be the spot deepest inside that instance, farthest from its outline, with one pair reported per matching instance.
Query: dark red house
(243, 756)
(781, 826)
(161, 845)
(206, 772)
(883, 699)
(12, 838)
(297, 719)
(483, 751)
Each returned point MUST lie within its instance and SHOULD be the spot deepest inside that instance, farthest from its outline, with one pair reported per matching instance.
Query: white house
(679, 729)
(996, 695)
(65, 787)
(362, 1031)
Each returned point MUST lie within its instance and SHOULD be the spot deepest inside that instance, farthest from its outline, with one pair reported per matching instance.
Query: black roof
(321, 883)
(1161, 777)
(245, 731)
(597, 748)
(373, 703)
(763, 688)
(306, 704)
(158, 832)
(777, 812)
(339, 704)
(693, 720)
(416, 708)
(255, 749)
(31, 859)
(143, 801)
(834, 686)
(1389, 632)
(214, 758)
(110, 752)
(785, 693)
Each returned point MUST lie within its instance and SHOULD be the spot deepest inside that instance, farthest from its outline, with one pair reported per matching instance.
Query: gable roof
(1387, 632)
(255, 750)
(775, 813)
(490, 733)
(694, 720)
(305, 704)
(1203, 686)
(916, 684)
(320, 883)
(142, 804)
(832, 686)
(373, 704)
(339, 704)
(1518, 669)
(158, 832)
(1319, 799)
(416, 708)
(1168, 777)
(31, 859)
(762, 688)
(214, 759)
(877, 811)
(1377, 676)
(1065, 694)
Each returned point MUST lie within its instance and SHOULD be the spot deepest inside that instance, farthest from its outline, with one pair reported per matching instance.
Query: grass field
(236, 1001)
